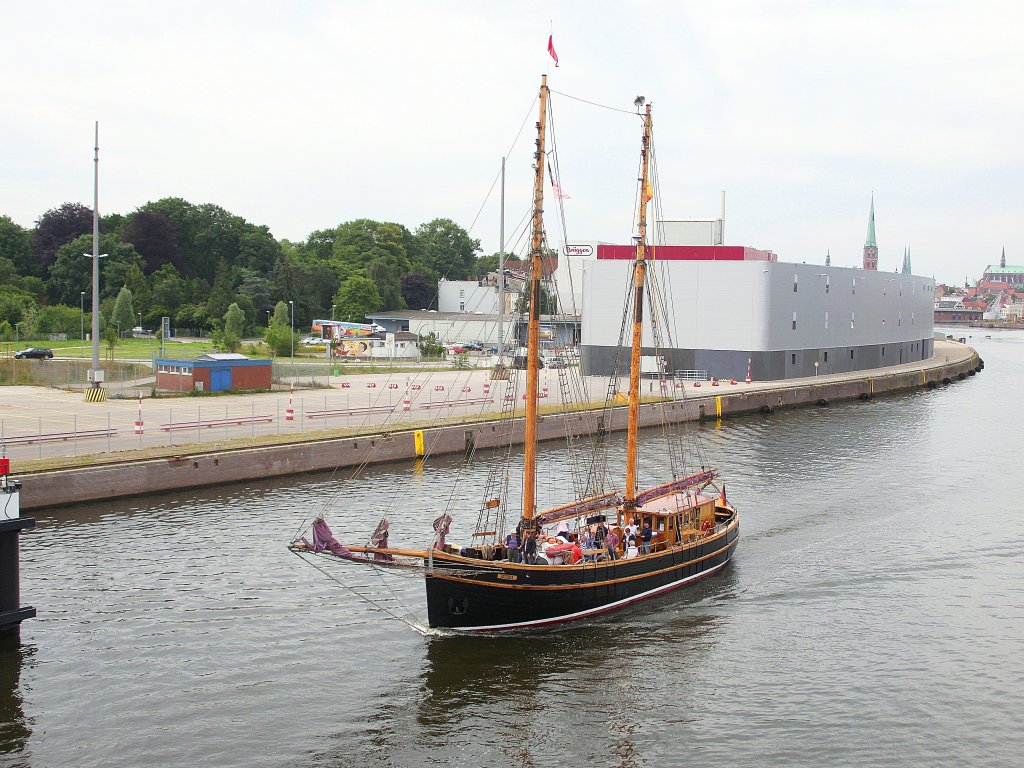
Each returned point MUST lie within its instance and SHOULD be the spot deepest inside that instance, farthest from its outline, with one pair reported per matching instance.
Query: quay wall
(56, 488)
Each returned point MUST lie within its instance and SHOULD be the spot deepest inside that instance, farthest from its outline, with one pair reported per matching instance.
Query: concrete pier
(146, 476)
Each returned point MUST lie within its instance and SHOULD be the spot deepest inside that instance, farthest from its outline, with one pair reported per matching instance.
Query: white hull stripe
(594, 611)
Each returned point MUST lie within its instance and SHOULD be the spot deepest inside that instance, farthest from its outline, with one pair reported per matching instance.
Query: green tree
(194, 317)
(167, 292)
(16, 245)
(374, 249)
(55, 228)
(257, 288)
(446, 248)
(429, 346)
(234, 324)
(486, 264)
(548, 302)
(418, 291)
(58, 319)
(221, 292)
(6, 332)
(319, 245)
(356, 297)
(71, 272)
(279, 335)
(388, 281)
(281, 314)
(136, 282)
(110, 337)
(124, 311)
(16, 305)
(9, 273)
(155, 238)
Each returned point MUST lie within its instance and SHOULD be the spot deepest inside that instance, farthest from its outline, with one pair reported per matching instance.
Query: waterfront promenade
(79, 451)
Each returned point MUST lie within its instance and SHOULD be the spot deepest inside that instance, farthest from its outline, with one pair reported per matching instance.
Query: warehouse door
(220, 379)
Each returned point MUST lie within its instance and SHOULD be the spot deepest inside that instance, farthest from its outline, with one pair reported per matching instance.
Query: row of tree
(193, 262)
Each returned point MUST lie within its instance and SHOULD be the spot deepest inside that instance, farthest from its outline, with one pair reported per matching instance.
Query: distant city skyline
(301, 117)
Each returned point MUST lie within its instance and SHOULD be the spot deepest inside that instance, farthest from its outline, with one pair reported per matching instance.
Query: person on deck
(576, 554)
(629, 534)
(586, 540)
(563, 529)
(646, 534)
(512, 543)
(611, 542)
(530, 548)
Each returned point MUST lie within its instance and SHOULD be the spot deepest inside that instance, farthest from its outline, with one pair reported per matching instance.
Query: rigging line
(561, 205)
(415, 625)
(515, 141)
(390, 419)
(592, 103)
(486, 198)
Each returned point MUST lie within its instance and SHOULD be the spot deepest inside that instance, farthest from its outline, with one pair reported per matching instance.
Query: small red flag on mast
(551, 49)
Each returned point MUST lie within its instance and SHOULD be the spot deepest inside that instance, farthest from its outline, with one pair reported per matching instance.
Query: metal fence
(71, 374)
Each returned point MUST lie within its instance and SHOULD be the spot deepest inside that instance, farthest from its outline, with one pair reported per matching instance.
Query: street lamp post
(17, 333)
(291, 312)
(332, 310)
(82, 317)
(140, 319)
(96, 375)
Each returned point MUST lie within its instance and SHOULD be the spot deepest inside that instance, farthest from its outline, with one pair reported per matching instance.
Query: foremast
(639, 275)
(533, 327)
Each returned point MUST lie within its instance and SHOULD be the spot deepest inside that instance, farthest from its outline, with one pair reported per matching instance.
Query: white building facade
(467, 296)
(787, 320)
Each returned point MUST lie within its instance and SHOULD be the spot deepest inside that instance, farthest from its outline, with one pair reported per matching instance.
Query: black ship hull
(503, 596)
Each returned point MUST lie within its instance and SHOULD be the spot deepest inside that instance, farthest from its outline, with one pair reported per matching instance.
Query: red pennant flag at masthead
(551, 49)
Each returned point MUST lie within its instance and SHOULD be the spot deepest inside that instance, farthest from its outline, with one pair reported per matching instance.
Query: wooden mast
(533, 329)
(639, 274)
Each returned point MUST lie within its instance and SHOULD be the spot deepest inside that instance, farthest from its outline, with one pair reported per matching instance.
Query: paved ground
(41, 423)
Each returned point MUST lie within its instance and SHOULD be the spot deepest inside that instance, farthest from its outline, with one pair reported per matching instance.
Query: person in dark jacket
(646, 534)
(530, 548)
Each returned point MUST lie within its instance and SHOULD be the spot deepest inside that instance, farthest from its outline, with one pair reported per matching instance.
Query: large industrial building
(731, 307)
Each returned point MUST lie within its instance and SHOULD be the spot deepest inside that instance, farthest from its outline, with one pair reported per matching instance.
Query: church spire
(906, 261)
(828, 258)
(871, 225)
(870, 246)
(1002, 261)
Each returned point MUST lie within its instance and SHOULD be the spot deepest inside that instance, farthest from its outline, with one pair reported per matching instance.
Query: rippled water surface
(873, 615)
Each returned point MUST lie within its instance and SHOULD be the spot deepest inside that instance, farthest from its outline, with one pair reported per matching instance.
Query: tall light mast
(96, 393)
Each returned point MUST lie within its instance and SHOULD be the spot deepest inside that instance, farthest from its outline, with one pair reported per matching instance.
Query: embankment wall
(141, 477)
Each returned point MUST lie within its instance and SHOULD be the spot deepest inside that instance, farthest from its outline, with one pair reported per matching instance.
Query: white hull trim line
(592, 611)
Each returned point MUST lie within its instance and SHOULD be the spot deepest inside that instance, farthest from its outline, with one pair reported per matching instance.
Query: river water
(873, 615)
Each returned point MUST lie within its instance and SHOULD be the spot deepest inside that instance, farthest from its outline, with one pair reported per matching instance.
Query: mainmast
(639, 273)
(533, 329)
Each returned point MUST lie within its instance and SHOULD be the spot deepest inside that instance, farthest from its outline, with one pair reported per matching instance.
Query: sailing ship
(629, 543)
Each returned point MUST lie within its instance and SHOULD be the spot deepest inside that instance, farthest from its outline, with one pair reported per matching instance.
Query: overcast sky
(302, 115)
